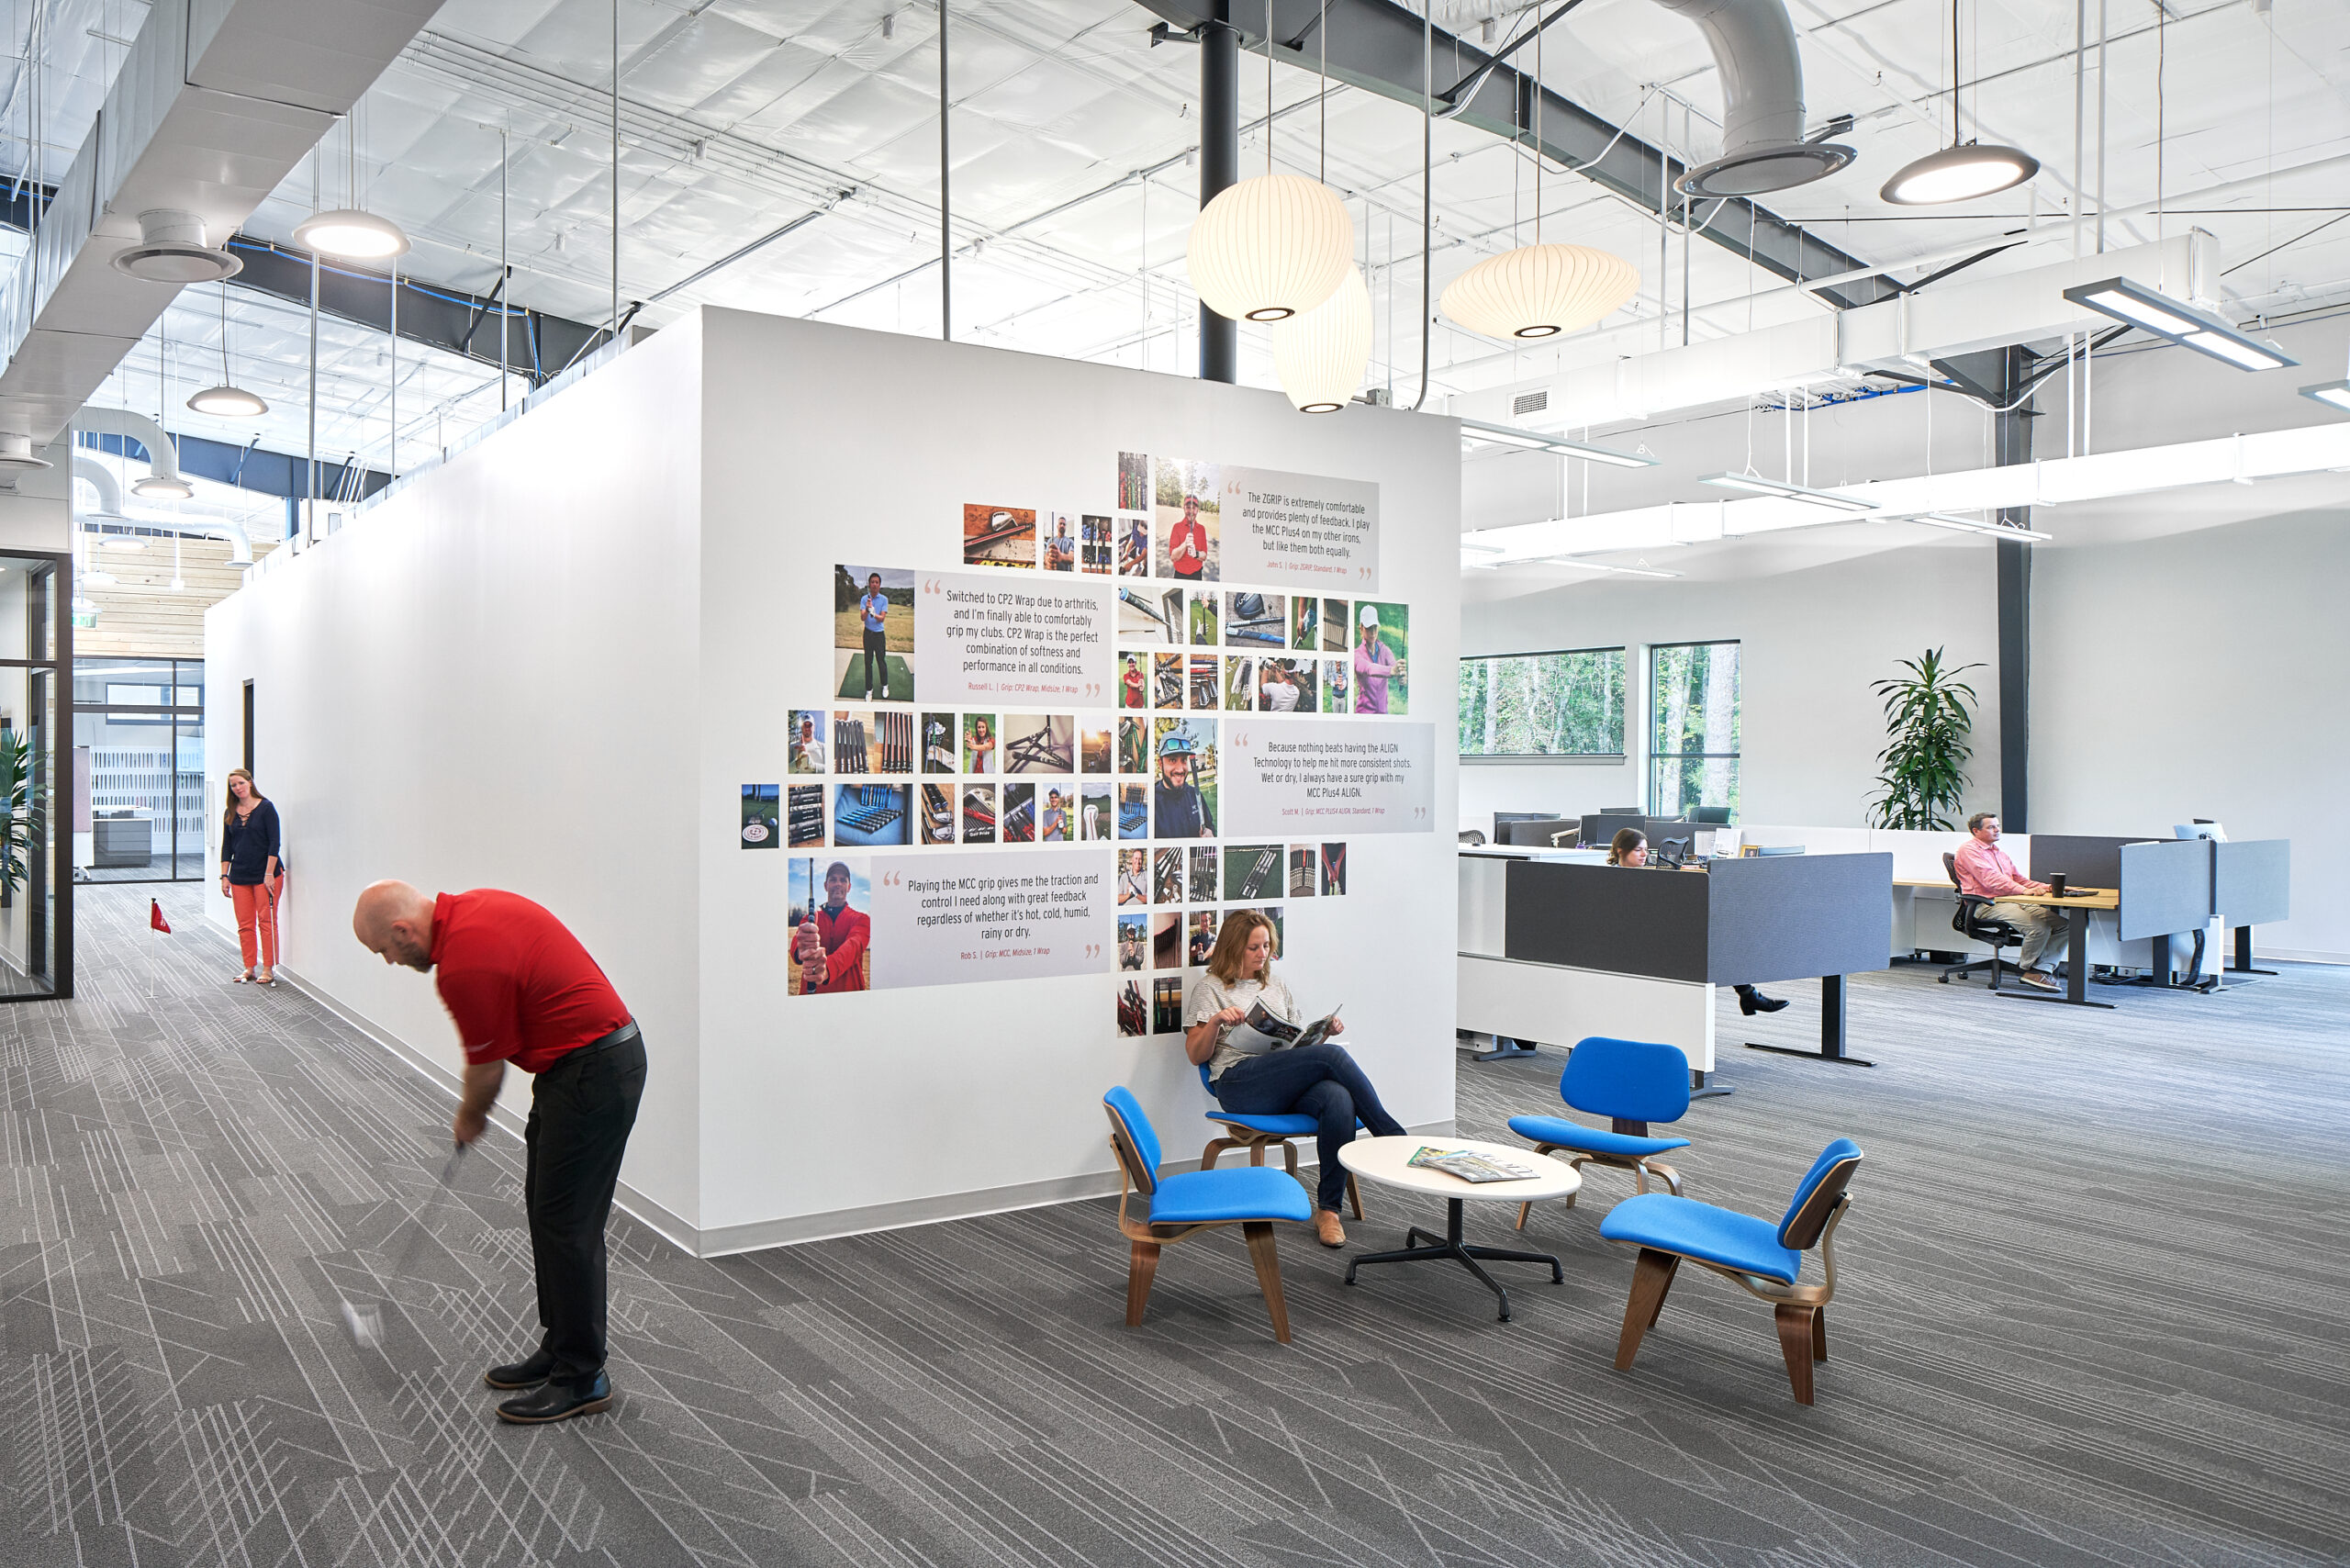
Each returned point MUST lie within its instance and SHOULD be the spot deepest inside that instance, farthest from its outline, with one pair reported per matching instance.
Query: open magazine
(1263, 1032)
(1478, 1168)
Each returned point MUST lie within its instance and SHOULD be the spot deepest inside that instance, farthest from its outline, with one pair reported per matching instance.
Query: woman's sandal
(269, 981)
(245, 978)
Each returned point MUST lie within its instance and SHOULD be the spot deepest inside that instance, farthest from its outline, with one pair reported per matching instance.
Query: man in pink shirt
(1986, 872)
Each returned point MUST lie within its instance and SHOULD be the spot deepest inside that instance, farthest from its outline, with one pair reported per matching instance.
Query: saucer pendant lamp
(351, 234)
(1274, 246)
(1539, 290)
(1321, 356)
(227, 400)
(1962, 171)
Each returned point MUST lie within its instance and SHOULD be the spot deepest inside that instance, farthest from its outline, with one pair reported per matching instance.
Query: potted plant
(1927, 721)
(20, 834)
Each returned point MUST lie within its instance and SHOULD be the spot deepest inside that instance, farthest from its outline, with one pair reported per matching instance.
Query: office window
(1693, 727)
(1568, 703)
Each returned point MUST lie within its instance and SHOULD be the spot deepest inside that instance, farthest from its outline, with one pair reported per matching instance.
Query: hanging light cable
(1539, 290)
(1320, 356)
(1272, 247)
(227, 400)
(1962, 171)
(351, 234)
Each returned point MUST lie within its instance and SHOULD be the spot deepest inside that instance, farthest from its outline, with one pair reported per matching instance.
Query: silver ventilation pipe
(1753, 44)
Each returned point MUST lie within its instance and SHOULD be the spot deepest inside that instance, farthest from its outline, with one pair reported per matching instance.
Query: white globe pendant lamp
(1539, 291)
(1270, 247)
(1320, 356)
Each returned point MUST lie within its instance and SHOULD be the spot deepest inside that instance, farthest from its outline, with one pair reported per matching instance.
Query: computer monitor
(2202, 827)
(1711, 815)
(1622, 811)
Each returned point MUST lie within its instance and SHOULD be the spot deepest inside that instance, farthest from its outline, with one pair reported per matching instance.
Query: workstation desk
(1557, 945)
(2150, 891)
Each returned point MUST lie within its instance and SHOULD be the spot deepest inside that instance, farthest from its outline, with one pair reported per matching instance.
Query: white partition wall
(554, 663)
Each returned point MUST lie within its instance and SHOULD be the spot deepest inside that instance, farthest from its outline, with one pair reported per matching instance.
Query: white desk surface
(1383, 1160)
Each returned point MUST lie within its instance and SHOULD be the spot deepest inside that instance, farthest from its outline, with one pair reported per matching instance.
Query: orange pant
(256, 915)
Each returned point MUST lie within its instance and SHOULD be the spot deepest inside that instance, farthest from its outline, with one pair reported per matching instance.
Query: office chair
(1180, 1206)
(1764, 1258)
(1257, 1134)
(1631, 1082)
(1971, 921)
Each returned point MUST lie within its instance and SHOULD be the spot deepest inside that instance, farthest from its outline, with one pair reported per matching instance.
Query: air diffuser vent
(1529, 403)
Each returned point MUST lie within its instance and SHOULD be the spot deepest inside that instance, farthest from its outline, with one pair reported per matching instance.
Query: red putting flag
(155, 920)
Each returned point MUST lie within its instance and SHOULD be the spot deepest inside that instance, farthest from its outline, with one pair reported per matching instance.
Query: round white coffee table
(1385, 1161)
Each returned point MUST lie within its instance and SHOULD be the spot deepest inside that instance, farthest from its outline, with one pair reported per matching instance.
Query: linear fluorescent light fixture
(2156, 312)
(2333, 394)
(1535, 440)
(1598, 566)
(1969, 525)
(1784, 491)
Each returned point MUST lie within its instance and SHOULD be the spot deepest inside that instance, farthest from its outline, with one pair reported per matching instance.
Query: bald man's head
(395, 921)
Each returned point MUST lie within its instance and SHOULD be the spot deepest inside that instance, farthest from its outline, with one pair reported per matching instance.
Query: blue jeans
(1321, 1082)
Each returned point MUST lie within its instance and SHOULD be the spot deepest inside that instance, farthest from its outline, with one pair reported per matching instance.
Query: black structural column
(2011, 443)
(1219, 168)
(2000, 379)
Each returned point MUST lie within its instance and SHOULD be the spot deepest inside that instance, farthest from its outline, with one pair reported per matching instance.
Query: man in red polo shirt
(1187, 543)
(521, 988)
(832, 940)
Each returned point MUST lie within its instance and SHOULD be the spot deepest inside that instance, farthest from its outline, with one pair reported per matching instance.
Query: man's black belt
(618, 1036)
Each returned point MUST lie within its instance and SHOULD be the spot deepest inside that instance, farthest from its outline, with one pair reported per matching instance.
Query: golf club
(365, 1319)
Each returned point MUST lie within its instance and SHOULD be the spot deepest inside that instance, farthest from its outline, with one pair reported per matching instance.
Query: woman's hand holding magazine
(1263, 1032)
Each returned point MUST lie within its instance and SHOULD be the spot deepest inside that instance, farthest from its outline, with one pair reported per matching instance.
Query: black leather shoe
(1751, 1001)
(529, 1372)
(557, 1401)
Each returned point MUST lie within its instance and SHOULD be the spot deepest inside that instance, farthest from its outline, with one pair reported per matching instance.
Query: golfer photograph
(520, 988)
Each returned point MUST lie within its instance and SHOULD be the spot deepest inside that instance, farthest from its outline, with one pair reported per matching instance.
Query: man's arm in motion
(481, 1085)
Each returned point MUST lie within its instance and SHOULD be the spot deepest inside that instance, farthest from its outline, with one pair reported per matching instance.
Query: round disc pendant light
(1270, 247)
(1539, 291)
(1320, 356)
(227, 400)
(348, 234)
(1959, 173)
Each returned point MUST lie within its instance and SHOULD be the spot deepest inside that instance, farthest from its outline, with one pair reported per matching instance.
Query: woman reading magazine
(1254, 1069)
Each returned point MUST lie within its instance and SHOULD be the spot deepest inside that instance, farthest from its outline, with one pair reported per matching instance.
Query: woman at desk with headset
(1630, 847)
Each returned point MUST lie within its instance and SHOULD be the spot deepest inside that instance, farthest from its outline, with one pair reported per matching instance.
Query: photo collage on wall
(872, 770)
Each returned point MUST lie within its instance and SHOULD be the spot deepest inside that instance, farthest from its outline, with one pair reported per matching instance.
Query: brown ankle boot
(1327, 1228)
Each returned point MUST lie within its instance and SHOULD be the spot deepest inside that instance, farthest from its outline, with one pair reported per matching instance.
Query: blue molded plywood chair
(1179, 1205)
(1256, 1134)
(1764, 1258)
(1631, 1082)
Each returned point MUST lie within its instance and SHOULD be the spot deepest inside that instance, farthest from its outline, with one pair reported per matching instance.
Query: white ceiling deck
(1072, 192)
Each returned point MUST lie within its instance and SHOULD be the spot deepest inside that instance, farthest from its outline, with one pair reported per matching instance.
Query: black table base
(1831, 1029)
(1466, 1254)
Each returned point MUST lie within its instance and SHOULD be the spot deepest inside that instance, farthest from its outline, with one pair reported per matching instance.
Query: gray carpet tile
(2091, 1311)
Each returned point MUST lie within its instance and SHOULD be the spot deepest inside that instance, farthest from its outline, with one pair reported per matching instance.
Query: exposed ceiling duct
(163, 457)
(1763, 149)
(215, 104)
(100, 478)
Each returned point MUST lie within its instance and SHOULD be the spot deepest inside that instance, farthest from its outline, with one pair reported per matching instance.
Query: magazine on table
(1264, 1031)
(1477, 1167)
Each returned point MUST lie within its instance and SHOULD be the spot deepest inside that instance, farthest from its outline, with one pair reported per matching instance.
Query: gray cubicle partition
(1604, 917)
(1743, 921)
(1790, 917)
(2251, 881)
(1533, 832)
(2165, 887)
(2087, 860)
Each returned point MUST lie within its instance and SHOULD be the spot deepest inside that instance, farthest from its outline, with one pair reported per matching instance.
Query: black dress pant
(581, 1111)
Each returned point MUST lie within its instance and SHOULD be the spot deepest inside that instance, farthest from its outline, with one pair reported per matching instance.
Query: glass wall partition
(142, 724)
(36, 878)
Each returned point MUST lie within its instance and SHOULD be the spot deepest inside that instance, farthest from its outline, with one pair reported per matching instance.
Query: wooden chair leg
(1651, 1277)
(1256, 1152)
(1672, 1177)
(1354, 1195)
(1795, 1332)
(1289, 1156)
(1268, 1273)
(1671, 1272)
(1214, 1152)
(1142, 1262)
(1818, 1333)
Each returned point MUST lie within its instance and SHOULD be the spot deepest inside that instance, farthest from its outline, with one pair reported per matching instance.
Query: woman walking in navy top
(250, 873)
